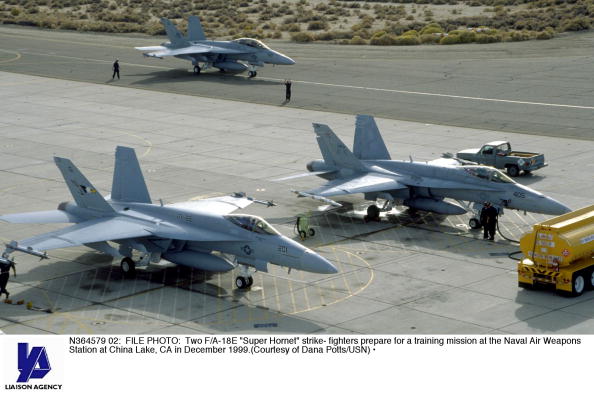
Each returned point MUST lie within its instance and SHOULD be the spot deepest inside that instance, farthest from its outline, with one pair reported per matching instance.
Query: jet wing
(195, 49)
(360, 184)
(217, 205)
(96, 230)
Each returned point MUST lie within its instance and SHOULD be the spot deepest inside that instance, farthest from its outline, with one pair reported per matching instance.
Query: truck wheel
(524, 285)
(527, 172)
(578, 284)
(312, 232)
(474, 223)
(513, 171)
(591, 279)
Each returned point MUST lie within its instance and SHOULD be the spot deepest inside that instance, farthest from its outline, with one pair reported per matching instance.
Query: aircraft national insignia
(247, 250)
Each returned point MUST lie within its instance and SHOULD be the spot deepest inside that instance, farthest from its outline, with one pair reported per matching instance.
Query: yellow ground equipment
(559, 253)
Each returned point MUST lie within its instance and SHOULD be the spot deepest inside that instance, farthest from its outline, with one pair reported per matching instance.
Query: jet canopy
(251, 42)
(488, 173)
(252, 223)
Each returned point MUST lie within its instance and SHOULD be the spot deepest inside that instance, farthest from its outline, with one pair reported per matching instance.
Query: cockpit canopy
(251, 42)
(252, 223)
(488, 173)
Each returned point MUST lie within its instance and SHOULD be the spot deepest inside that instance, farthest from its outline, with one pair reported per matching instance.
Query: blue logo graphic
(247, 250)
(34, 365)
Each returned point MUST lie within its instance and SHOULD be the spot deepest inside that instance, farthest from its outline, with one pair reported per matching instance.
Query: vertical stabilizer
(128, 183)
(84, 193)
(334, 151)
(369, 144)
(175, 37)
(195, 32)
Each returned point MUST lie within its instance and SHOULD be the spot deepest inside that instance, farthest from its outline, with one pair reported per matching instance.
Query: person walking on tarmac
(288, 84)
(4, 276)
(489, 220)
(116, 69)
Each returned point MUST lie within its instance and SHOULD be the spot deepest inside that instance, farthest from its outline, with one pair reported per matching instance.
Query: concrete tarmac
(409, 274)
(536, 87)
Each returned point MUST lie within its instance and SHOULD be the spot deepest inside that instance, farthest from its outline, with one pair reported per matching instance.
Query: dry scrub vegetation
(352, 22)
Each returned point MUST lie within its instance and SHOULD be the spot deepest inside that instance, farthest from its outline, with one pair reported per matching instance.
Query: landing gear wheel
(197, 69)
(474, 224)
(128, 267)
(312, 232)
(252, 74)
(513, 171)
(243, 282)
(578, 284)
(302, 235)
(373, 214)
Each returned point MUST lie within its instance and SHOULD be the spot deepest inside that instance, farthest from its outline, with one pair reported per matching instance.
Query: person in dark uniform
(4, 276)
(288, 84)
(116, 69)
(489, 220)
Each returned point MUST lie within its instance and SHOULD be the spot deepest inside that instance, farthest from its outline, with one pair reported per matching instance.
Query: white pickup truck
(499, 154)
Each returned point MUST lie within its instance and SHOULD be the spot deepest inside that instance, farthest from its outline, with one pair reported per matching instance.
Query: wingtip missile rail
(14, 246)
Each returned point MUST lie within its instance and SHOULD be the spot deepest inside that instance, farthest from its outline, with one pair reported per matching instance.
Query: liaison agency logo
(32, 365)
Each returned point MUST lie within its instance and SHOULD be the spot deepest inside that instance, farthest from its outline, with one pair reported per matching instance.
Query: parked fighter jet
(234, 56)
(184, 233)
(417, 185)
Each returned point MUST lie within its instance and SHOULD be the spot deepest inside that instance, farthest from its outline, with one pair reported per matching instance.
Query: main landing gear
(128, 267)
(196, 69)
(252, 74)
(373, 214)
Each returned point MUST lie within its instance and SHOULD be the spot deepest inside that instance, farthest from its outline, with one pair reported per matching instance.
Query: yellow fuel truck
(559, 253)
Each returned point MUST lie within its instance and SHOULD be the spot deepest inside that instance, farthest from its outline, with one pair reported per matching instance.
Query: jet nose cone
(554, 207)
(313, 262)
(279, 58)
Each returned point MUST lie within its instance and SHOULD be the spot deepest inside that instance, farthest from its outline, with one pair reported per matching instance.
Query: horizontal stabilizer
(39, 217)
(361, 184)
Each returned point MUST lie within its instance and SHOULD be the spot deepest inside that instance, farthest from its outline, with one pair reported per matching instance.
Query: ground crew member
(288, 84)
(489, 220)
(4, 276)
(116, 69)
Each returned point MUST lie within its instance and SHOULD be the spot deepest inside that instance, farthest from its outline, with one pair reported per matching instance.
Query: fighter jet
(424, 186)
(233, 56)
(199, 234)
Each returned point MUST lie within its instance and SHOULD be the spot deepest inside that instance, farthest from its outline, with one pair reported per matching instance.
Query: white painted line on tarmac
(411, 92)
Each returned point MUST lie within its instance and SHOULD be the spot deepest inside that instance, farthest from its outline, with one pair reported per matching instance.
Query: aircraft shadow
(183, 75)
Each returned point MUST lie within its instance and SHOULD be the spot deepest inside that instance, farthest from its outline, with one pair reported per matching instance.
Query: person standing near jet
(489, 220)
(4, 276)
(116, 69)
(288, 84)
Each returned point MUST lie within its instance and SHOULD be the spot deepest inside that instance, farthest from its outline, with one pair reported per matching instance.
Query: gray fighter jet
(199, 234)
(234, 56)
(370, 170)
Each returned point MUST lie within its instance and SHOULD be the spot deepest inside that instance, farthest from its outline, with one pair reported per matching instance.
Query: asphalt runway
(409, 274)
(534, 87)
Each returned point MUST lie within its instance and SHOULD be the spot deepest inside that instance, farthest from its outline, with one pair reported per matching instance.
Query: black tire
(513, 171)
(527, 172)
(312, 232)
(474, 224)
(578, 284)
(527, 286)
(302, 235)
(197, 70)
(250, 281)
(373, 213)
(242, 282)
(255, 74)
(591, 276)
(128, 267)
